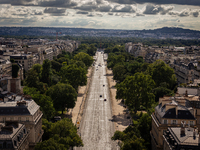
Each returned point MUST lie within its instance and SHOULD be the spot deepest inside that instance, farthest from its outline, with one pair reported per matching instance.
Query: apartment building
(170, 112)
(25, 59)
(5, 67)
(13, 136)
(181, 138)
(25, 111)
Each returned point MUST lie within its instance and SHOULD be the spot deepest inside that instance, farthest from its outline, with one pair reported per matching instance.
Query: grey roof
(10, 107)
(187, 139)
(183, 112)
(7, 135)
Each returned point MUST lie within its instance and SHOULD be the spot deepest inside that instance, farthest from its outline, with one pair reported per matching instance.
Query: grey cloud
(195, 13)
(179, 2)
(82, 12)
(184, 13)
(16, 2)
(55, 11)
(123, 9)
(57, 3)
(91, 15)
(155, 9)
(87, 7)
(110, 13)
(99, 1)
(104, 8)
(38, 13)
(139, 14)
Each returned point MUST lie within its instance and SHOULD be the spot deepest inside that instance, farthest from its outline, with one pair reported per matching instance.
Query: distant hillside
(161, 33)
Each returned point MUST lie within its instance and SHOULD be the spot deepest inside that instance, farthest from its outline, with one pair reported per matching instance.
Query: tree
(144, 126)
(46, 72)
(37, 68)
(46, 104)
(91, 50)
(32, 79)
(87, 59)
(56, 65)
(74, 75)
(15, 69)
(119, 72)
(161, 72)
(137, 91)
(130, 138)
(50, 144)
(63, 96)
(66, 133)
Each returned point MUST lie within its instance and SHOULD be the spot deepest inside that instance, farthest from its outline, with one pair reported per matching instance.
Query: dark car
(104, 99)
(100, 95)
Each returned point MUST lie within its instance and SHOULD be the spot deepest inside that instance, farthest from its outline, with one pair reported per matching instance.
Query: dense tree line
(54, 85)
(140, 85)
(105, 42)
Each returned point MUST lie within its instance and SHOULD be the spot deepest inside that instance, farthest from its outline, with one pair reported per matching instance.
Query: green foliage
(91, 50)
(46, 104)
(63, 96)
(119, 72)
(56, 65)
(137, 91)
(30, 91)
(50, 144)
(32, 79)
(87, 59)
(15, 69)
(161, 72)
(62, 134)
(66, 133)
(74, 75)
(37, 68)
(137, 135)
(46, 72)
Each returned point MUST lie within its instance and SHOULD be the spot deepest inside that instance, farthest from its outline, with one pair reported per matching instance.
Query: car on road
(104, 99)
(100, 95)
(103, 85)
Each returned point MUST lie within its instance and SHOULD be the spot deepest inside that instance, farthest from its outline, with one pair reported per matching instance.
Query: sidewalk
(118, 110)
(76, 113)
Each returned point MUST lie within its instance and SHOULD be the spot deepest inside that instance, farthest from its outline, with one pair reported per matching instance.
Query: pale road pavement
(96, 128)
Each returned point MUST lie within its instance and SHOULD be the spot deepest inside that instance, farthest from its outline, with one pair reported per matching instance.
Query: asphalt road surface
(96, 128)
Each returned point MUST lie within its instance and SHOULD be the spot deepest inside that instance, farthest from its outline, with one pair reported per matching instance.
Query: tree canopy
(74, 75)
(84, 57)
(137, 91)
(63, 96)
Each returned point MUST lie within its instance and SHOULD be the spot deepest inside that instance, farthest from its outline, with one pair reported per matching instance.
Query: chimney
(194, 134)
(182, 128)
(176, 110)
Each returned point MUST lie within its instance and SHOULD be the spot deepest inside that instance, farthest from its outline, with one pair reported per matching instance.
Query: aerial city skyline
(101, 14)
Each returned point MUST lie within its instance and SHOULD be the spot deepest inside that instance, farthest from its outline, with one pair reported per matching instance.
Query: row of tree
(54, 85)
(140, 84)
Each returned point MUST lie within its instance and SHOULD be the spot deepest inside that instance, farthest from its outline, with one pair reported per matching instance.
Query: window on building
(19, 119)
(191, 123)
(173, 121)
(27, 118)
(11, 118)
(165, 121)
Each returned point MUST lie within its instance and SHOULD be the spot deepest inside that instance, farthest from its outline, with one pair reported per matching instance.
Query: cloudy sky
(101, 14)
